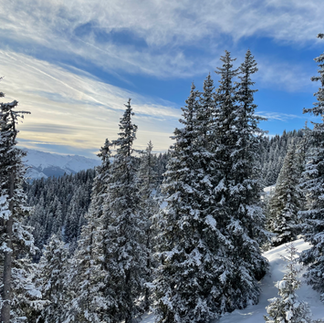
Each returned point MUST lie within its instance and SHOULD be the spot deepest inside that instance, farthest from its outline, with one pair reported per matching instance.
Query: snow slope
(43, 164)
(255, 313)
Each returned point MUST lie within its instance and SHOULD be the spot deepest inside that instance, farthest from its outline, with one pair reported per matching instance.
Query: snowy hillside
(254, 314)
(43, 164)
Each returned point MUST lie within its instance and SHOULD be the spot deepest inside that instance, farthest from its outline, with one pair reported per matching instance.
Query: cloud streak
(270, 116)
(152, 37)
(77, 110)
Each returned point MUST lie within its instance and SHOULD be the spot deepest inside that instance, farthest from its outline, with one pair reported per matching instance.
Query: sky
(74, 64)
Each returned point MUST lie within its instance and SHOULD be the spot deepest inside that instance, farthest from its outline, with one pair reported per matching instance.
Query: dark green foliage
(51, 280)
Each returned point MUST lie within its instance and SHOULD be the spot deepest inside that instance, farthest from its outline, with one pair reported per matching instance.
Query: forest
(180, 233)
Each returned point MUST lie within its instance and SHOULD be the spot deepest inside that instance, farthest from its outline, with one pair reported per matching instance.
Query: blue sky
(75, 63)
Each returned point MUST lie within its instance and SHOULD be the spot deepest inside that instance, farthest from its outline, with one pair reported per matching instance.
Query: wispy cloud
(286, 76)
(76, 110)
(270, 116)
(152, 37)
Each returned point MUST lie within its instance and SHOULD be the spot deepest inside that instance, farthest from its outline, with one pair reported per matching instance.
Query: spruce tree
(286, 201)
(147, 177)
(88, 300)
(190, 245)
(313, 185)
(237, 209)
(123, 228)
(18, 297)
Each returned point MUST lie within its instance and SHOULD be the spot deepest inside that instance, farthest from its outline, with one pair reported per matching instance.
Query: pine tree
(313, 185)
(287, 308)
(123, 226)
(16, 242)
(286, 201)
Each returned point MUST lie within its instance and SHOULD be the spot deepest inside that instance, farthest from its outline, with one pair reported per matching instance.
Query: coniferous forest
(180, 233)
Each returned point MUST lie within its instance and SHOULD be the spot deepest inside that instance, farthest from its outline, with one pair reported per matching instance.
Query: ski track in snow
(255, 313)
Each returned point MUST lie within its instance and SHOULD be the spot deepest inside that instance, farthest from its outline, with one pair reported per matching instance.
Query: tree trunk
(7, 291)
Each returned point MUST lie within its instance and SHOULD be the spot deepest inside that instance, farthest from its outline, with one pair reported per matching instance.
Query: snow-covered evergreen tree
(286, 201)
(147, 177)
(51, 279)
(187, 280)
(313, 184)
(123, 227)
(213, 222)
(247, 157)
(88, 301)
(287, 308)
(18, 297)
(237, 187)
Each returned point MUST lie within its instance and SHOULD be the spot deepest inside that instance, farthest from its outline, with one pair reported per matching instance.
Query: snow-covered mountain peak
(43, 164)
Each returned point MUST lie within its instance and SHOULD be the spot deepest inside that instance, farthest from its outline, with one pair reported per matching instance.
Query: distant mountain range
(41, 164)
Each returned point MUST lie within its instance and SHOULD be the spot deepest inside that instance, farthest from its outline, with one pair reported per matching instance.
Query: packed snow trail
(255, 313)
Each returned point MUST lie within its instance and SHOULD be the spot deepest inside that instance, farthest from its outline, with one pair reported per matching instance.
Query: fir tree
(123, 228)
(313, 184)
(52, 282)
(53, 200)
(149, 205)
(187, 284)
(89, 303)
(16, 242)
(237, 189)
(287, 308)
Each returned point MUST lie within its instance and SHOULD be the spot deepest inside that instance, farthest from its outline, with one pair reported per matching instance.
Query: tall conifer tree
(123, 228)
(187, 286)
(16, 242)
(89, 302)
(237, 187)
(313, 184)
(147, 177)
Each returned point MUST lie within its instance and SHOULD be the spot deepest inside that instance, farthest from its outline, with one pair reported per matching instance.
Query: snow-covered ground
(254, 314)
(269, 189)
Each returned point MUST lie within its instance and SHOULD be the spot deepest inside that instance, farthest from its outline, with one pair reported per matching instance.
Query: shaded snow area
(255, 313)
(269, 189)
(43, 164)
